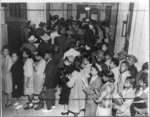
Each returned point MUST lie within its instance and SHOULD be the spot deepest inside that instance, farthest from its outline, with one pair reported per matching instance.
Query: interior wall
(123, 11)
(4, 36)
(139, 39)
(36, 12)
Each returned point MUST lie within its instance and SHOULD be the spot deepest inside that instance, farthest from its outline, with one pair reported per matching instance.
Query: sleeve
(41, 69)
(48, 75)
(127, 103)
(9, 65)
(29, 67)
(71, 82)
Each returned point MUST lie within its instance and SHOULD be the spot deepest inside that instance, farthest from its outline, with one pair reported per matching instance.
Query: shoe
(8, 105)
(46, 111)
(28, 107)
(65, 113)
(53, 107)
(38, 108)
(19, 106)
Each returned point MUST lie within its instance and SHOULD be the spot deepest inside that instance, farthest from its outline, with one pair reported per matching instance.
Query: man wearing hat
(132, 68)
(44, 45)
(30, 44)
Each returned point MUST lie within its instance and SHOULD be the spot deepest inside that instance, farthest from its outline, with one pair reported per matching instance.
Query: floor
(11, 112)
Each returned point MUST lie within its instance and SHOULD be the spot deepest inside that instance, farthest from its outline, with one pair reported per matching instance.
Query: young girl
(17, 77)
(7, 76)
(126, 98)
(124, 73)
(28, 77)
(39, 68)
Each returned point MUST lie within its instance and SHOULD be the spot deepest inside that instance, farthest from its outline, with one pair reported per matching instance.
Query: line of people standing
(92, 81)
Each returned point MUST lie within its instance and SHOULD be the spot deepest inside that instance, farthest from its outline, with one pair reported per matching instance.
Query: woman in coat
(7, 76)
(77, 96)
(28, 77)
(17, 77)
(93, 86)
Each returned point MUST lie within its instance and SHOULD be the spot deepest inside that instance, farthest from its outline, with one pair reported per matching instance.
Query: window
(18, 10)
(69, 10)
(108, 13)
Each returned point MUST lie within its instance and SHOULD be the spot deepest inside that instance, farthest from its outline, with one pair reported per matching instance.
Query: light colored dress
(28, 73)
(128, 95)
(77, 96)
(39, 76)
(6, 74)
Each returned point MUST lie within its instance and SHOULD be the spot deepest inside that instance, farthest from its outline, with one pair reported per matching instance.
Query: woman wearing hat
(104, 98)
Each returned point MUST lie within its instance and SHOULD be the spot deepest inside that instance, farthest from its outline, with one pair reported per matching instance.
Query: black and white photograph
(74, 58)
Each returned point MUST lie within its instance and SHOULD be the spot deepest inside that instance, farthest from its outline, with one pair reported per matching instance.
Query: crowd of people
(74, 58)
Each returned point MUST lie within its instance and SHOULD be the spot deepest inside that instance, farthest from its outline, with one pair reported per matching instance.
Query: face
(47, 56)
(62, 31)
(127, 84)
(141, 84)
(24, 54)
(112, 65)
(104, 48)
(38, 58)
(94, 71)
(100, 54)
(105, 79)
(107, 57)
(131, 61)
(14, 57)
(123, 68)
(5, 52)
(85, 61)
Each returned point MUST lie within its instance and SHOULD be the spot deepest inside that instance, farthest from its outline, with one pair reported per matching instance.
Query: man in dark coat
(90, 36)
(61, 40)
(51, 81)
(132, 68)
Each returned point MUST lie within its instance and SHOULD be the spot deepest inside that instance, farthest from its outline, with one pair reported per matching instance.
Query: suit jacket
(51, 72)
(61, 42)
